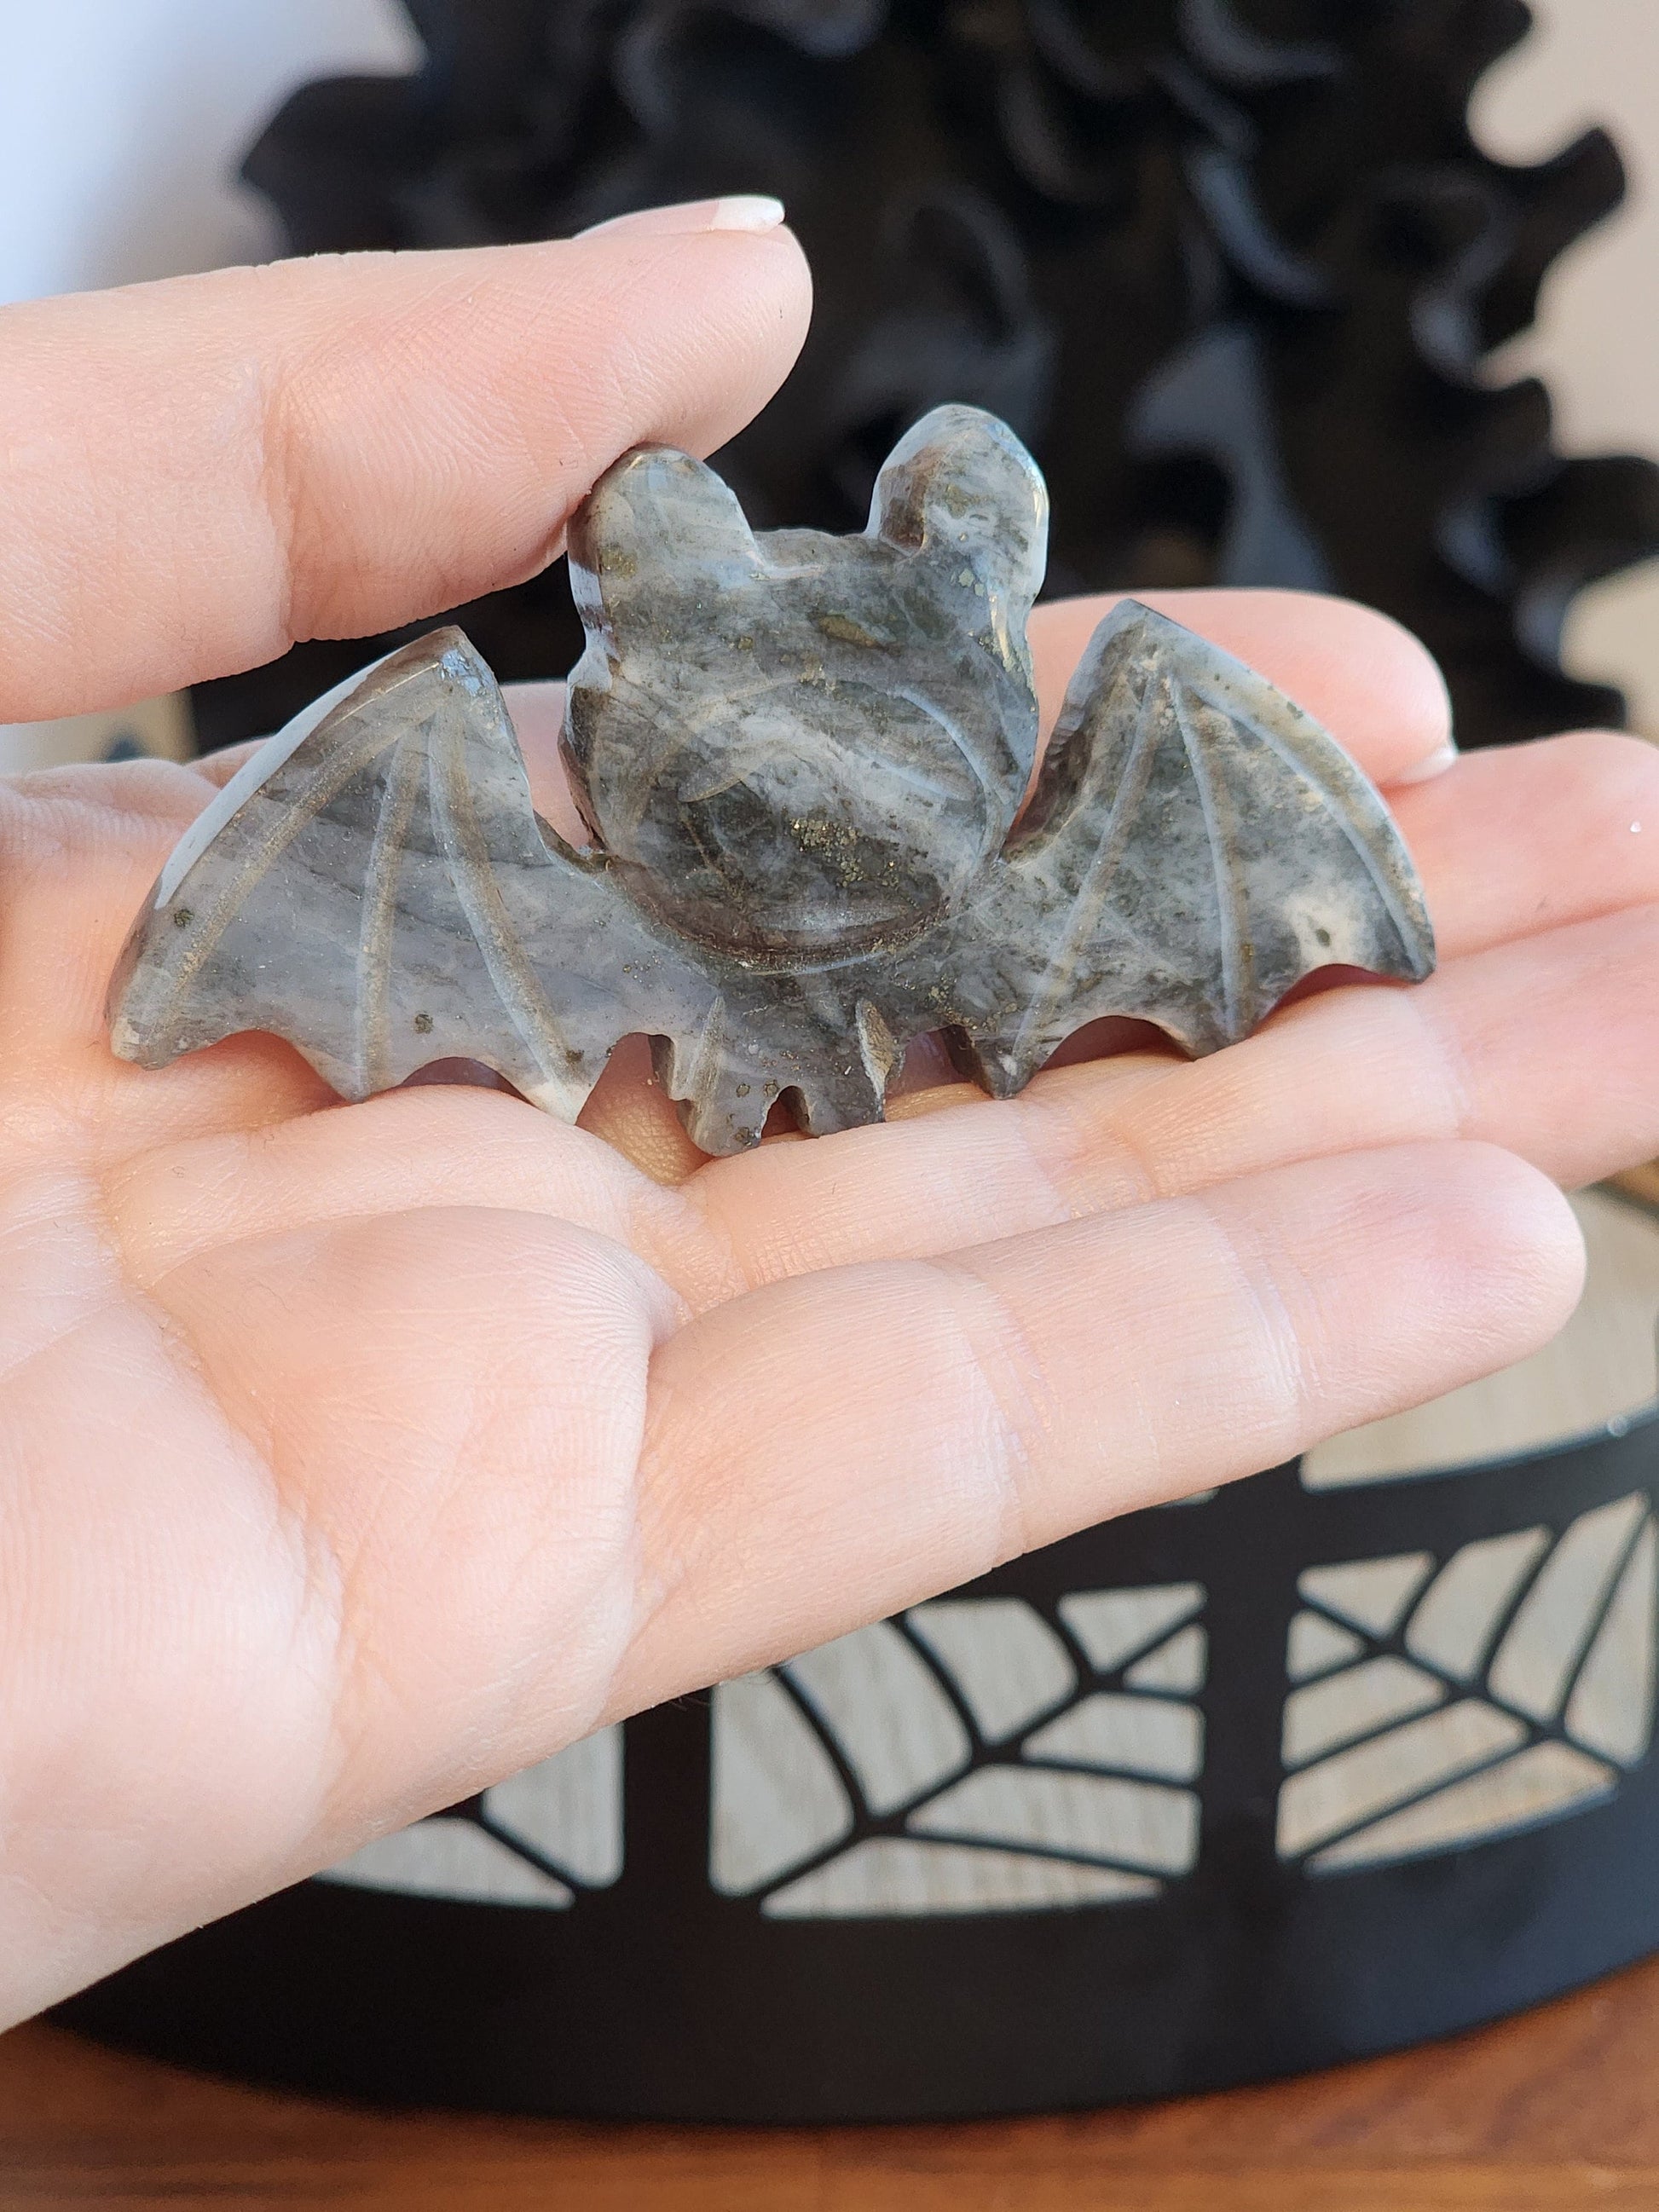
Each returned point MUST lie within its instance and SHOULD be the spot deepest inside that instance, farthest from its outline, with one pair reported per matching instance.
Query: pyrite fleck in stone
(801, 757)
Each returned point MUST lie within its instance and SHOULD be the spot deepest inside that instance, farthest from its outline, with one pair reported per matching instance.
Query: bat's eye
(810, 820)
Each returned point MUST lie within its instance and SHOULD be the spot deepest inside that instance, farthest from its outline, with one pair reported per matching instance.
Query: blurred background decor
(156, 729)
(1231, 267)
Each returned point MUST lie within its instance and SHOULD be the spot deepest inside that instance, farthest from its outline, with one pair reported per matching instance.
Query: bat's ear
(960, 484)
(656, 516)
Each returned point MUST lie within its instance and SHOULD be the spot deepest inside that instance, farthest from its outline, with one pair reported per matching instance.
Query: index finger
(198, 472)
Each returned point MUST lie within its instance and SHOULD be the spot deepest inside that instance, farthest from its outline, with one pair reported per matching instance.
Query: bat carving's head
(798, 745)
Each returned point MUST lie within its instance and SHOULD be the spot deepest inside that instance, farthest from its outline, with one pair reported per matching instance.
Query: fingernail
(737, 211)
(1436, 763)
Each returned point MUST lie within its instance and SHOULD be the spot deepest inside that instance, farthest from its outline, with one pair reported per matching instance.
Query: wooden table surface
(1558, 2109)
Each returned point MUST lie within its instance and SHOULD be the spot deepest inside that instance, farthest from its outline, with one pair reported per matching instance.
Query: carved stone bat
(801, 758)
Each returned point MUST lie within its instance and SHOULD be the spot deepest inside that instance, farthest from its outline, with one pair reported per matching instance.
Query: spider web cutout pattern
(972, 1755)
(1438, 1703)
(535, 1839)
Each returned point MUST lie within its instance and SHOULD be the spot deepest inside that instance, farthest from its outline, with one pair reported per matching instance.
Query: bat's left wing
(376, 887)
(1197, 845)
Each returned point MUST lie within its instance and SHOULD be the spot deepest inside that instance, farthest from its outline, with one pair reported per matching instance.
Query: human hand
(352, 1457)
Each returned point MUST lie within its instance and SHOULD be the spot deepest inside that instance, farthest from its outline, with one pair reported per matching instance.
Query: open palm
(352, 1457)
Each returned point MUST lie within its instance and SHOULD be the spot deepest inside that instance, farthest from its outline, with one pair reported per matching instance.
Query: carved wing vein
(1230, 895)
(456, 824)
(257, 857)
(379, 915)
(1097, 877)
(1340, 807)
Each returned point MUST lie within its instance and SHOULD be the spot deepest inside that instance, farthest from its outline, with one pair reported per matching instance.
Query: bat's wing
(1196, 846)
(375, 886)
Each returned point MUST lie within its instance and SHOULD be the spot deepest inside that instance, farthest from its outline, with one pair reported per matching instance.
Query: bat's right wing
(1196, 845)
(375, 886)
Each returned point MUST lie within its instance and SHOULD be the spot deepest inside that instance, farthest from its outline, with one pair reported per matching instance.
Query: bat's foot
(997, 1065)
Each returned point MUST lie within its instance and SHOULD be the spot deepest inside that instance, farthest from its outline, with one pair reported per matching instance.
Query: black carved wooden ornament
(1230, 268)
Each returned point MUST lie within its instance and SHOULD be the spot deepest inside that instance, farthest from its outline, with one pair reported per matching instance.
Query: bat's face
(801, 744)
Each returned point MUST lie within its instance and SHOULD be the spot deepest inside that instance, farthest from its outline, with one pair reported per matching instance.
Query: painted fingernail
(737, 211)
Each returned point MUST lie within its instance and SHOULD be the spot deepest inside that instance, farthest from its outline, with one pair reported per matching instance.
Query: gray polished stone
(801, 758)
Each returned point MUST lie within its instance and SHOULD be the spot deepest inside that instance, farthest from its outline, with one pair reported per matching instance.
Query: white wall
(122, 120)
(121, 125)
